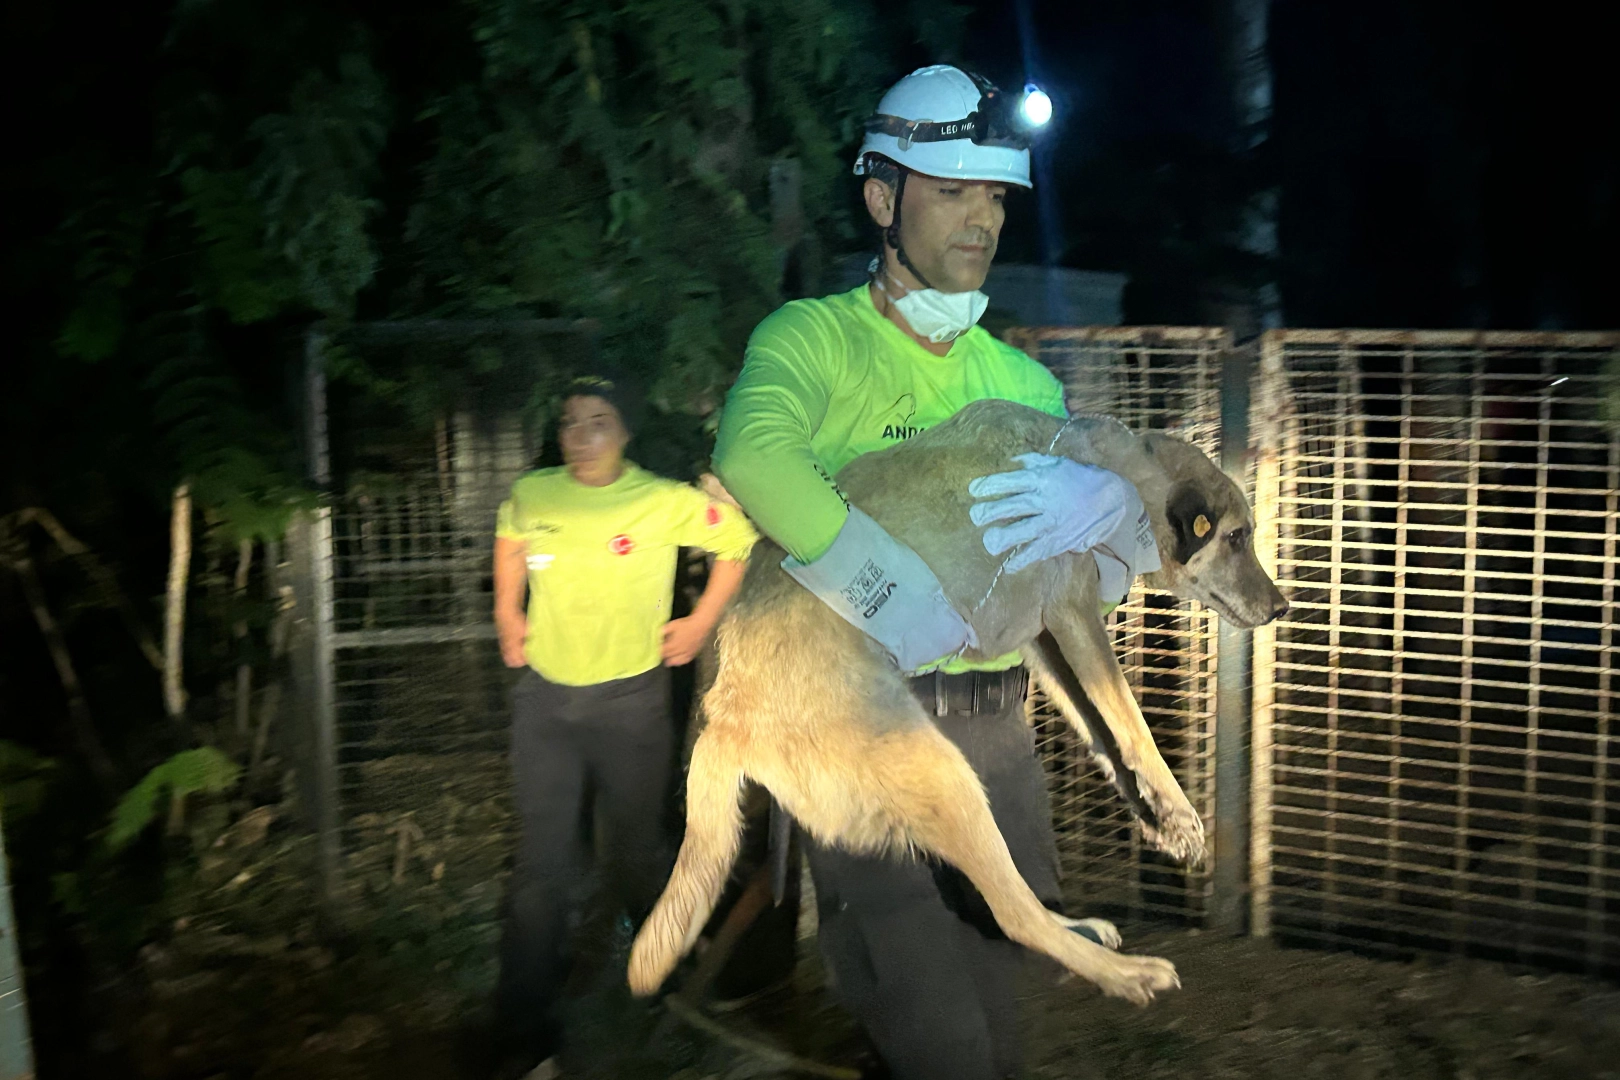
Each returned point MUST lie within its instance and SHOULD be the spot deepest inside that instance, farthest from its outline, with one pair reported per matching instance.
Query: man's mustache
(974, 238)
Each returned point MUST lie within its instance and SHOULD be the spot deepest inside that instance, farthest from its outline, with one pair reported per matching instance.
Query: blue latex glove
(1054, 505)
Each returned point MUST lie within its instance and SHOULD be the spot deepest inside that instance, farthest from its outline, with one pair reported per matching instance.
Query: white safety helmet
(942, 121)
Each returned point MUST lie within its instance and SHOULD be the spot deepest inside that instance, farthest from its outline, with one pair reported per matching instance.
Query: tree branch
(84, 730)
(174, 612)
(112, 594)
(244, 670)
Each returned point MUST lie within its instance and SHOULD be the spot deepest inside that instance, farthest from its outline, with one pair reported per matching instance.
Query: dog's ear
(1193, 520)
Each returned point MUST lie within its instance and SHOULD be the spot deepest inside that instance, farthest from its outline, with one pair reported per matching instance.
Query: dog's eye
(1237, 536)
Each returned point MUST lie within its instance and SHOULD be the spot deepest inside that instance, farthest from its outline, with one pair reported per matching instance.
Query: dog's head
(1205, 532)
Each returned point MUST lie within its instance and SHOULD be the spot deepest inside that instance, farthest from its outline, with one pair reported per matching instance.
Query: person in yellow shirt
(594, 545)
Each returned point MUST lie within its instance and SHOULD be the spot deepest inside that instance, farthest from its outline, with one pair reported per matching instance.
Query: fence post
(16, 1052)
(1229, 885)
(310, 539)
(1269, 402)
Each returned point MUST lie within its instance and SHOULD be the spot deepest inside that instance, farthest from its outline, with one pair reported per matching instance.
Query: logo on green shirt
(900, 414)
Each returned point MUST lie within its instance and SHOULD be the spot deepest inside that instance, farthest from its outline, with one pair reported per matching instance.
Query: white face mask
(942, 316)
(939, 316)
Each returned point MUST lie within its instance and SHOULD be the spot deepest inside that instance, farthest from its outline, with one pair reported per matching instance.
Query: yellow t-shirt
(602, 566)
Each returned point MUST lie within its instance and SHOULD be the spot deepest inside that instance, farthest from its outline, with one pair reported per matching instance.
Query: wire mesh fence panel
(413, 810)
(1433, 764)
(419, 687)
(382, 720)
(1152, 379)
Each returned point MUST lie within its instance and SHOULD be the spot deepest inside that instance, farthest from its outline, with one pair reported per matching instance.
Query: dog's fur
(812, 709)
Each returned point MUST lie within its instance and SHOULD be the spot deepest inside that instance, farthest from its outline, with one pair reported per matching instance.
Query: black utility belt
(969, 692)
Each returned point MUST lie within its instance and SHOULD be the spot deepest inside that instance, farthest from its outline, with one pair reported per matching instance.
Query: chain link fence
(403, 761)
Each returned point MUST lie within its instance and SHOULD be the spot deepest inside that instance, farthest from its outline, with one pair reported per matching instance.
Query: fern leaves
(204, 770)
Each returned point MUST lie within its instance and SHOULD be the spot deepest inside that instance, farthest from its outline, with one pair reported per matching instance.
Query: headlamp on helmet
(1001, 119)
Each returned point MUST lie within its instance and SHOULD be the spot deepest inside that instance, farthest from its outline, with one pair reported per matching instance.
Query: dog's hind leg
(1086, 653)
(713, 835)
(934, 794)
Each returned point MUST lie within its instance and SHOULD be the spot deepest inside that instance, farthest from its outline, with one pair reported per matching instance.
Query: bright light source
(1037, 106)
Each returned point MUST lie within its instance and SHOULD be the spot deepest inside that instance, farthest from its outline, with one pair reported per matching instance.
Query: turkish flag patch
(712, 515)
(621, 545)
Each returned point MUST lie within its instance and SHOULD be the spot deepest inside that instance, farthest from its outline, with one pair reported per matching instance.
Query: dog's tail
(713, 836)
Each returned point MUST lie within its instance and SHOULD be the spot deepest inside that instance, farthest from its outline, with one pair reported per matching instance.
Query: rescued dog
(806, 705)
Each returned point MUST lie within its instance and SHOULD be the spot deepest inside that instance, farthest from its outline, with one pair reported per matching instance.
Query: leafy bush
(190, 772)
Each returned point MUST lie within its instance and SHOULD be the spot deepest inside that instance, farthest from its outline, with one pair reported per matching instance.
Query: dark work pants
(912, 947)
(616, 740)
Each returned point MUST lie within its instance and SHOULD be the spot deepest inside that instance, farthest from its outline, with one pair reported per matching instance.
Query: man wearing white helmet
(912, 947)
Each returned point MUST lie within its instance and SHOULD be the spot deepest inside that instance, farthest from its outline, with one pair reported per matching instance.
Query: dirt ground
(283, 1009)
(1248, 1009)
(252, 983)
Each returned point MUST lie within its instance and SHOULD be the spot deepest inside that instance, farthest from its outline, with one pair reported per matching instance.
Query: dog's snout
(1279, 608)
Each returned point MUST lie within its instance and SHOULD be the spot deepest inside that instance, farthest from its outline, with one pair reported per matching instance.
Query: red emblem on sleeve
(712, 515)
(621, 545)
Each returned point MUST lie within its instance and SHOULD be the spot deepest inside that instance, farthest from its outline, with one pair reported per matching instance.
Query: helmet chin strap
(891, 235)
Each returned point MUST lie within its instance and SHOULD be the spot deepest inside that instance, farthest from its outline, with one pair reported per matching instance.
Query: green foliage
(600, 161)
(204, 770)
(310, 179)
(238, 274)
(249, 217)
(613, 164)
(287, 228)
(110, 230)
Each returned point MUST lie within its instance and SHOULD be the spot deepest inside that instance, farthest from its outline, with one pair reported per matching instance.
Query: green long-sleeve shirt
(825, 381)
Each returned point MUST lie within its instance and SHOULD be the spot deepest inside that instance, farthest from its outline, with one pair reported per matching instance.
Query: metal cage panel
(1153, 379)
(418, 685)
(1433, 765)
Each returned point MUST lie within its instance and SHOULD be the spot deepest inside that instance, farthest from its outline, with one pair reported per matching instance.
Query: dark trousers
(911, 945)
(614, 740)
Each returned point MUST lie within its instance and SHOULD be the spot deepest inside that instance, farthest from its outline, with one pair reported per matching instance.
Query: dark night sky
(1117, 70)
(1437, 164)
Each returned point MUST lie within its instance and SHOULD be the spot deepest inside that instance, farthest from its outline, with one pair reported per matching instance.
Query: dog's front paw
(1180, 832)
(1138, 978)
